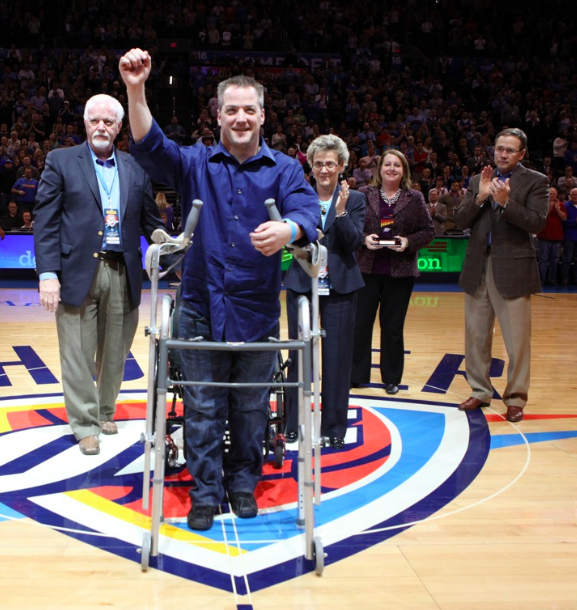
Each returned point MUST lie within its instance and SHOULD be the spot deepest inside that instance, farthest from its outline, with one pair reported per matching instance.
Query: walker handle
(192, 220)
(273, 210)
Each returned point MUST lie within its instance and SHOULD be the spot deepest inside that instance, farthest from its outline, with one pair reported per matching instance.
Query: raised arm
(134, 68)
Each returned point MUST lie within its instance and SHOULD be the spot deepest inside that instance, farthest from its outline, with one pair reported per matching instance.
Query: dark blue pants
(337, 313)
(207, 410)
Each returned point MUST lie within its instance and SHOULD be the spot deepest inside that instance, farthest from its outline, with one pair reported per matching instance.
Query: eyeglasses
(507, 151)
(330, 165)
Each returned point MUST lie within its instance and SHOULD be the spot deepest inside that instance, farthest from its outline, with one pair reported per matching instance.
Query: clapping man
(502, 209)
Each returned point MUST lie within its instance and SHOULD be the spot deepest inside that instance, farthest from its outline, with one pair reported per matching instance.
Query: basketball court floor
(426, 507)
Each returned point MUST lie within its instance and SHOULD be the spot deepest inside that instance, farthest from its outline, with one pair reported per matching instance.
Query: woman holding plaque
(341, 221)
(397, 225)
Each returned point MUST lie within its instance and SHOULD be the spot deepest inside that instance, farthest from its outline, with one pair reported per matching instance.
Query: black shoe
(291, 437)
(201, 517)
(391, 388)
(243, 504)
(337, 442)
(354, 384)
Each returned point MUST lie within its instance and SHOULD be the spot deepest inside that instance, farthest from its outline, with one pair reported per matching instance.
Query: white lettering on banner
(27, 260)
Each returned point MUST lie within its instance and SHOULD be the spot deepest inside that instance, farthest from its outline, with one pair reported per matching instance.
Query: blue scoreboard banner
(17, 251)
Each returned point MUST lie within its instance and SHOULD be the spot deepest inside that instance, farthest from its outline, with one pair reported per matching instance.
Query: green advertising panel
(443, 255)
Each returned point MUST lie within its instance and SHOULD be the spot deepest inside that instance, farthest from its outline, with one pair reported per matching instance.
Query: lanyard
(100, 175)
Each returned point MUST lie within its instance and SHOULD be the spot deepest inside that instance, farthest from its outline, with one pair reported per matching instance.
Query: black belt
(110, 255)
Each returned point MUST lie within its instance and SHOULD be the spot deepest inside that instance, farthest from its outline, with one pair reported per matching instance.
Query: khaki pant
(514, 316)
(94, 341)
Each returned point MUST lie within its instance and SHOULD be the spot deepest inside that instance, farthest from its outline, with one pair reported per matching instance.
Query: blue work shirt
(225, 278)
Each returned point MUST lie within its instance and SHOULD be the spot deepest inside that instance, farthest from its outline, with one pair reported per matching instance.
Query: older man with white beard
(93, 201)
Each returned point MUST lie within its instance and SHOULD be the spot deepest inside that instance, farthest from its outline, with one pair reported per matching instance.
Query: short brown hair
(243, 82)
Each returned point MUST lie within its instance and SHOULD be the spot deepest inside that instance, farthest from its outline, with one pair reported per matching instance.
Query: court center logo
(403, 461)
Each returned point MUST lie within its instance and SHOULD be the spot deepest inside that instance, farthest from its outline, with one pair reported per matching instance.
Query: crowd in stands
(496, 66)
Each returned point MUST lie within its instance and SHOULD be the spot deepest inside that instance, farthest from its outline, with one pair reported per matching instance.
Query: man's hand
(49, 294)
(500, 191)
(135, 67)
(485, 185)
(269, 237)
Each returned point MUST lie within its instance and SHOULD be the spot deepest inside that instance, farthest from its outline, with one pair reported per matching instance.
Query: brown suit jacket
(512, 251)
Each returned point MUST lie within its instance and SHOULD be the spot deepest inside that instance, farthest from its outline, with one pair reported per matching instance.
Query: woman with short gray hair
(342, 221)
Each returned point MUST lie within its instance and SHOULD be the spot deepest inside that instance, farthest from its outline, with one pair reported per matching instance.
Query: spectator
(207, 137)
(175, 131)
(440, 185)
(14, 144)
(166, 211)
(36, 129)
(25, 189)
(451, 201)
(362, 174)
(438, 212)
(7, 179)
(66, 114)
(570, 156)
(27, 164)
(12, 220)
(567, 176)
(569, 259)
(352, 182)
(371, 158)
(549, 240)
(560, 145)
(279, 140)
(418, 161)
(427, 183)
(69, 138)
(28, 223)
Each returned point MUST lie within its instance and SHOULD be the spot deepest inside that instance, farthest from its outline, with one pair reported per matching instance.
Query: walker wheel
(145, 552)
(318, 556)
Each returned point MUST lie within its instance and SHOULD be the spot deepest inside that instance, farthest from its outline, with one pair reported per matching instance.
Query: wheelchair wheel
(279, 453)
(170, 453)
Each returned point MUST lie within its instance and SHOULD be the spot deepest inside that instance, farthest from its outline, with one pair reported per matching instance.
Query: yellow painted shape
(109, 507)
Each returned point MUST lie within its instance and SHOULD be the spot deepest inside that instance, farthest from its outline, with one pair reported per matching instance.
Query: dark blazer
(512, 251)
(412, 220)
(69, 223)
(342, 237)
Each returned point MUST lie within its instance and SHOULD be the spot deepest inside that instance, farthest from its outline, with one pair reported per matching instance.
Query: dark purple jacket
(412, 220)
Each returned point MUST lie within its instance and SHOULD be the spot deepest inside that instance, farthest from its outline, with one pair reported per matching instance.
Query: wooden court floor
(507, 542)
